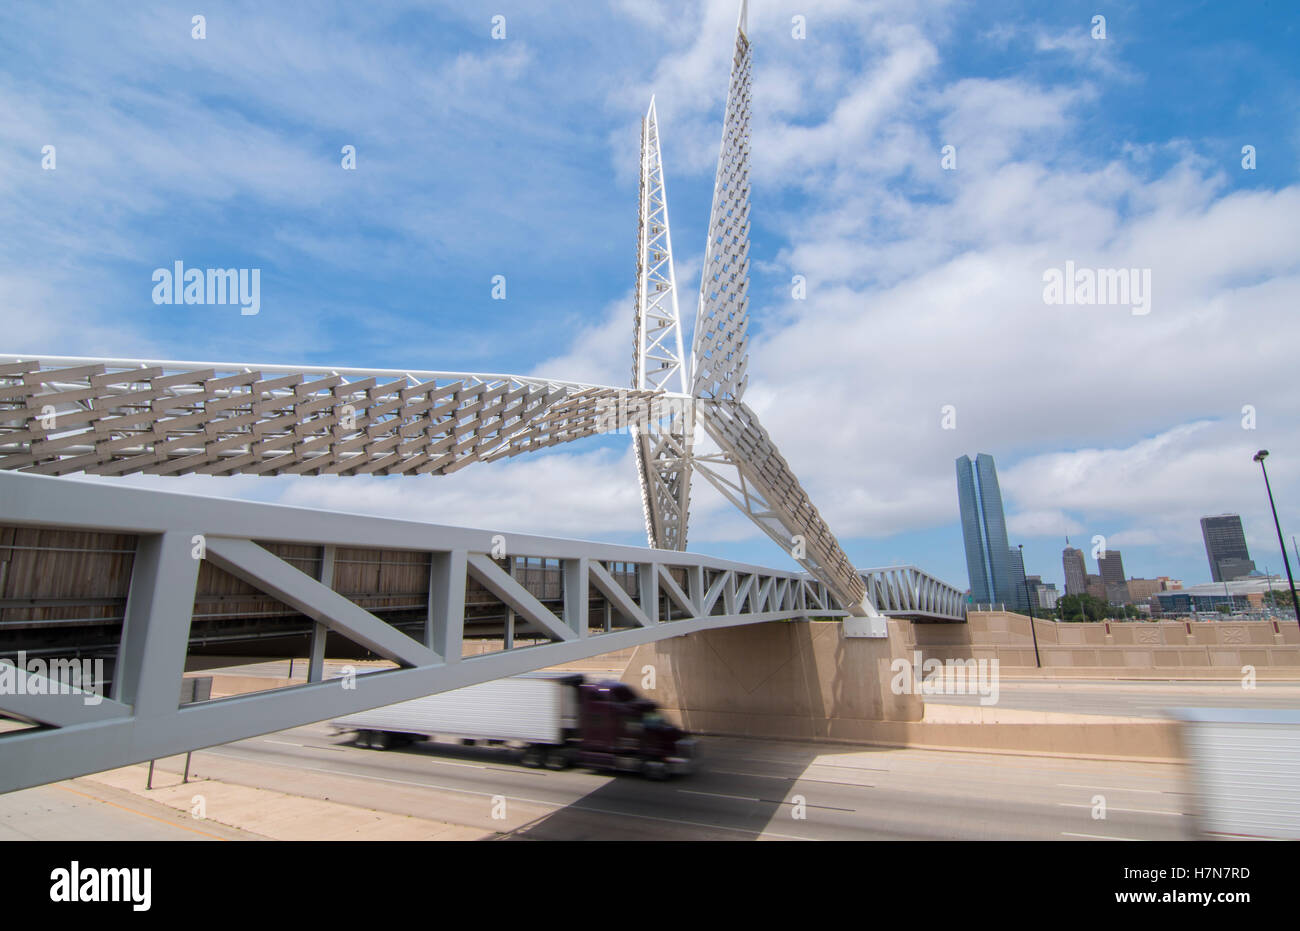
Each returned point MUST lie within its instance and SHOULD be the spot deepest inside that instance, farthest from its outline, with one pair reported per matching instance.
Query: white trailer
(536, 710)
(1245, 769)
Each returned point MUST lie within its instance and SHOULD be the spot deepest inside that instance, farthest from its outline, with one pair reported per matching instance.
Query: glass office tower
(1225, 545)
(984, 531)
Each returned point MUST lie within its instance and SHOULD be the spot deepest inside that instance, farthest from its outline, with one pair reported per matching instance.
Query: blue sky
(517, 157)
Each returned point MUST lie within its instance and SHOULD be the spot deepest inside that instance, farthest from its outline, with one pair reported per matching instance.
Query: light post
(1286, 560)
(1032, 629)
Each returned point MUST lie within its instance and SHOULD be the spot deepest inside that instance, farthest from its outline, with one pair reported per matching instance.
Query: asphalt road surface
(743, 789)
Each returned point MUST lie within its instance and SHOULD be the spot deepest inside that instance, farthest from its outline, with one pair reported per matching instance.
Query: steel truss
(906, 591)
(143, 718)
(60, 415)
(751, 473)
(720, 348)
(661, 445)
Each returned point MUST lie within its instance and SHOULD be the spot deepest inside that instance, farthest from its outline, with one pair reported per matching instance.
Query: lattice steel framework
(60, 415)
(663, 459)
(720, 355)
(751, 473)
(143, 717)
(906, 591)
(113, 417)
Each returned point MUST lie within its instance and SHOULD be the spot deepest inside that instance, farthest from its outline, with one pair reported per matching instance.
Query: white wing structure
(748, 469)
(719, 351)
(661, 437)
(61, 415)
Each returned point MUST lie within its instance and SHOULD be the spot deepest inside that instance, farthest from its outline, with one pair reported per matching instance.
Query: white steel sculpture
(747, 469)
(61, 415)
(661, 437)
(720, 348)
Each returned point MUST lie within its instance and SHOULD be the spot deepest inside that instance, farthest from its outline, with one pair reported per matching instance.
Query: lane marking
(141, 813)
(434, 761)
(1139, 811)
(767, 801)
(569, 806)
(738, 798)
(1075, 785)
(773, 801)
(823, 782)
(1097, 836)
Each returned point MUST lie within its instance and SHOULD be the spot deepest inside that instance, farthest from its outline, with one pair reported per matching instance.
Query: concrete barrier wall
(1156, 647)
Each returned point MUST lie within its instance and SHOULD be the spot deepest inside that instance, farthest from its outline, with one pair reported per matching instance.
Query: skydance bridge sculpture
(61, 415)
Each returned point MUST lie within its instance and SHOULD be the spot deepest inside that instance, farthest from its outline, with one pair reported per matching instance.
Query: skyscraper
(1225, 546)
(1019, 591)
(1111, 566)
(984, 532)
(1076, 570)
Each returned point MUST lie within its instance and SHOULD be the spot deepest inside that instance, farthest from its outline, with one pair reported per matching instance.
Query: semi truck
(556, 720)
(1244, 765)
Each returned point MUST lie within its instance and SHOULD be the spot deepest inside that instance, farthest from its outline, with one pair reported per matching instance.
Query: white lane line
(1139, 811)
(824, 782)
(435, 762)
(1075, 785)
(768, 801)
(738, 798)
(518, 798)
(778, 801)
(1097, 836)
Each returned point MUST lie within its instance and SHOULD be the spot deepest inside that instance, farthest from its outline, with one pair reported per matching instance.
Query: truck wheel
(532, 757)
(382, 740)
(363, 739)
(656, 770)
(557, 759)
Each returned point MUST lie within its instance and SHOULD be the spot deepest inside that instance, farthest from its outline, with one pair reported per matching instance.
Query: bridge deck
(153, 571)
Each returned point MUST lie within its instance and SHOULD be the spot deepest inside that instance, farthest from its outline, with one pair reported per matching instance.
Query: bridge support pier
(786, 679)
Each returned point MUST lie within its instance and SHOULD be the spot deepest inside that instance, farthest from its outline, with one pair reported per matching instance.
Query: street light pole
(1033, 630)
(1286, 560)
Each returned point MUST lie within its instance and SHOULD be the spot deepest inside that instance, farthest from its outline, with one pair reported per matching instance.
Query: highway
(744, 789)
(1133, 698)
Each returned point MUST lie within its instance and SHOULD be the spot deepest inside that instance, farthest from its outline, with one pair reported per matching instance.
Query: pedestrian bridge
(906, 591)
(156, 569)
